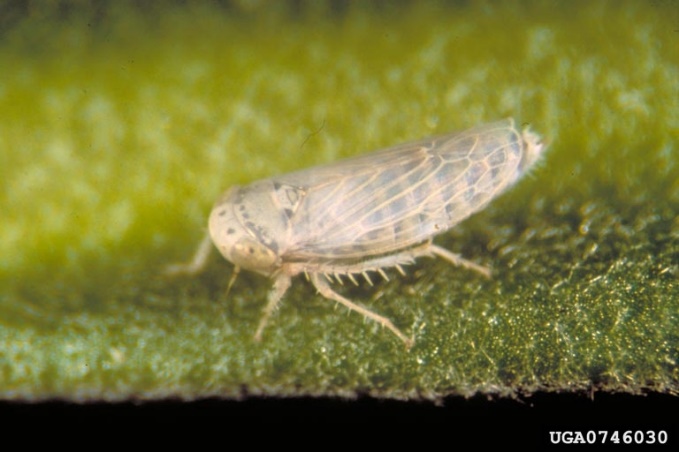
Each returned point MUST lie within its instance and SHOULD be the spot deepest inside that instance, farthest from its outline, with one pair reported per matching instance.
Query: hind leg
(324, 289)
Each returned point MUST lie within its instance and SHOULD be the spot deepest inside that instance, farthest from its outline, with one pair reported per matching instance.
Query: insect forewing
(398, 197)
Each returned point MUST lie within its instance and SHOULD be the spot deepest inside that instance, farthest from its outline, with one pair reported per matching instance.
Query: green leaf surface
(120, 127)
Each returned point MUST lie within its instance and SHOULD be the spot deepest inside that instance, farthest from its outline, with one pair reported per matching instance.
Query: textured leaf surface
(113, 149)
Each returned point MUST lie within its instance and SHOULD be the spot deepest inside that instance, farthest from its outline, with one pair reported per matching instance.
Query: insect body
(366, 213)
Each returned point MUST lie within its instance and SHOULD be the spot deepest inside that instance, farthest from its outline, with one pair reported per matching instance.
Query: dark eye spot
(230, 231)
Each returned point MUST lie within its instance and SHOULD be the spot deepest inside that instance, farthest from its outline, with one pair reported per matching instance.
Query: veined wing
(398, 197)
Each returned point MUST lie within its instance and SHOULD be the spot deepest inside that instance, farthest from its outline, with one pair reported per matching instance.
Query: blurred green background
(122, 122)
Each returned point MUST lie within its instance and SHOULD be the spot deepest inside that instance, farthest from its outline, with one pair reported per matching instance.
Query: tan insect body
(365, 213)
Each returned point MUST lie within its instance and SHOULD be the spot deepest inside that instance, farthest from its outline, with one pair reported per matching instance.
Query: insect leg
(456, 259)
(325, 290)
(280, 286)
(197, 262)
(234, 275)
